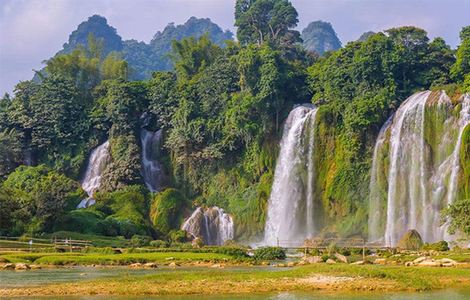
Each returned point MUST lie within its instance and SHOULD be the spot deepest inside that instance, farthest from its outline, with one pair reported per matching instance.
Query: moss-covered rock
(464, 179)
(166, 211)
(411, 240)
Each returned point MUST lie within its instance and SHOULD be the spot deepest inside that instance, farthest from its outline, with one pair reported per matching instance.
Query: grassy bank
(113, 259)
(225, 281)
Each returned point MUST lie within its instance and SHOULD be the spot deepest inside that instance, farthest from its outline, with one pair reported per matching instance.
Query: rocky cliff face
(320, 37)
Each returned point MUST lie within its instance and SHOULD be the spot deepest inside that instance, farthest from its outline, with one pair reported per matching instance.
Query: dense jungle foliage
(221, 108)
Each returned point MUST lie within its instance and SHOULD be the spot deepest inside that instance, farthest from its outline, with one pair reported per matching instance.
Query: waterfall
(415, 168)
(213, 225)
(152, 169)
(99, 159)
(291, 206)
(377, 193)
(464, 121)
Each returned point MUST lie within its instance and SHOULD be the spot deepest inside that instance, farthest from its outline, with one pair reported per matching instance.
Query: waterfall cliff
(213, 225)
(415, 168)
(152, 169)
(291, 206)
(99, 159)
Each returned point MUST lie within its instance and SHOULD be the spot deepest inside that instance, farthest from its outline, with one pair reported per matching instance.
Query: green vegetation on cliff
(221, 111)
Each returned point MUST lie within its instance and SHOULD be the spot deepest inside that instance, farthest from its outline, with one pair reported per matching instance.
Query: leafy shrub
(158, 244)
(345, 251)
(314, 252)
(232, 251)
(332, 249)
(358, 251)
(269, 253)
(140, 240)
(81, 220)
(181, 246)
(439, 246)
(128, 229)
(177, 236)
(325, 257)
(109, 226)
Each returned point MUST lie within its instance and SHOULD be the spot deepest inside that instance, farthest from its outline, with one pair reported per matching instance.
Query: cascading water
(377, 193)
(415, 168)
(152, 169)
(213, 225)
(291, 206)
(464, 121)
(99, 159)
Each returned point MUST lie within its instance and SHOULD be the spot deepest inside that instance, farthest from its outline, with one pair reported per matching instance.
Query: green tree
(260, 21)
(57, 116)
(41, 197)
(411, 48)
(163, 97)
(458, 213)
(461, 68)
(10, 151)
(114, 67)
(8, 207)
(52, 193)
(86, 67)
(192, 55)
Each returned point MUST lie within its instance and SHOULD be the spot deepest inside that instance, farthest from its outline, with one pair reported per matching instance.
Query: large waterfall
(291, 206)
(213, 225)
(99, 159)
(152, 169)
(415, 168)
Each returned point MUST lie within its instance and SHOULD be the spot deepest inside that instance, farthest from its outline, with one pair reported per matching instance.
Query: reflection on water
(439, 295)
(14, 279)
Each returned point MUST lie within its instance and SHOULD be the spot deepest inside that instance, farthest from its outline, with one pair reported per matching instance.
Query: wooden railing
(29, 243)
(71, 245)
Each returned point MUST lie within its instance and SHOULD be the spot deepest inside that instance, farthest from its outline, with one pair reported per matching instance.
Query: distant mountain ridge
(144, 58)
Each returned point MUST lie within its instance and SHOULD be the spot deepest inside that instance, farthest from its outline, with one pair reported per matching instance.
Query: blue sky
(34, 30)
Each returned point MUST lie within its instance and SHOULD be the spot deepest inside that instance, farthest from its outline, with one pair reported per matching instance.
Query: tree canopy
(261, 21)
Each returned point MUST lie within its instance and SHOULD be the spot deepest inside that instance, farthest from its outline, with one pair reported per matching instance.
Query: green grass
(22, 245)
(113, 259)
(261, 279)
(97, 240)
(420, 279)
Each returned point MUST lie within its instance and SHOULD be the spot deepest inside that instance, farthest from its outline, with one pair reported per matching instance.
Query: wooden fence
(30, 244)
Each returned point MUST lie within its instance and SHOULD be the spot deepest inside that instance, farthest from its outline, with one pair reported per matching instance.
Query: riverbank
(212, 281)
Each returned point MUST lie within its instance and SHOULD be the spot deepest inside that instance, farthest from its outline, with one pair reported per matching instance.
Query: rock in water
(341, 258)
(411, 241)
(212, 225)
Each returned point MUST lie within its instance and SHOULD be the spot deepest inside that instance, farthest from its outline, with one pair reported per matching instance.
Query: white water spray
(99, 159)
(291, 205)
(423, 168)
